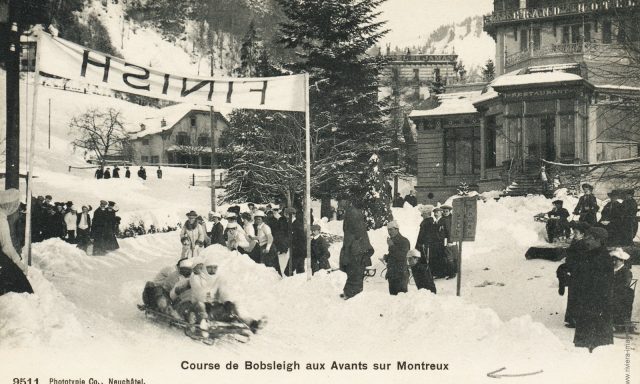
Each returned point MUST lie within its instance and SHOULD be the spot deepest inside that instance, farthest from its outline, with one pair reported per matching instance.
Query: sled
(236, 330)
(552, 252)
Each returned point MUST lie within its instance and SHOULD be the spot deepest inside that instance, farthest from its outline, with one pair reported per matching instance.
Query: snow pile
(46, 318)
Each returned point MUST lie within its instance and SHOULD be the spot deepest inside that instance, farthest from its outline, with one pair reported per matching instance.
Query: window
(462, 151)
(155, 159)
(576, 36)
(537, 39)
(491, 129)
(567, 137)
(145, 141)
(524, 40)
(204, 141)
(193, 121)
(587, 33)
(182, 138)
(606, 32)
(144, 159)
(566, 34)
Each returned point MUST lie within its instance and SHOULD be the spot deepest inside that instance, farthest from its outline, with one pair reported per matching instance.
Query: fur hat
(587, 186)
(414, 253)
(558, 202)
(425, 208)
(192, 214)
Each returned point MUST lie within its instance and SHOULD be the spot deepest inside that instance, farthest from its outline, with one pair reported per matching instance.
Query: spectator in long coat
(280, 231)
(593, 281)
(629, 223)
(127, 172)
(116, 172)
(623, 295)
(356, 251)
(319, 250)
(612, 219)
(99, 173)
(435, 235)
(298, 250)
(70, 219)
(159, 173)
(191, 236)
(107, 174)
(102, 229)
(566, 271)
(142, 173)
(587, 206)
(12, 268)
(83, 225)
(446, 223)
(215, 230)
(397, 269)
(114, 221)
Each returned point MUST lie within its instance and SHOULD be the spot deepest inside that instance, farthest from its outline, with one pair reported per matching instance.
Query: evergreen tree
(330, 39)
(249, 52)
(377, 195)
(489, 71)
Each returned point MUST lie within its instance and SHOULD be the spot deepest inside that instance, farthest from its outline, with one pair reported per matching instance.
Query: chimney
(163, 123)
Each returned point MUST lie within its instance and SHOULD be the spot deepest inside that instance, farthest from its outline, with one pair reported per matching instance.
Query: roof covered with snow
(451, 104)
(538, 78)
(171, 115)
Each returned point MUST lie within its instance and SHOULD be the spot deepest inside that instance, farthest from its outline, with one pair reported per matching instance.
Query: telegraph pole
(11, 52)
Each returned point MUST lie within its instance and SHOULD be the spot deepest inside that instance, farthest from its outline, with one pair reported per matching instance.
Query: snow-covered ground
(82, 322)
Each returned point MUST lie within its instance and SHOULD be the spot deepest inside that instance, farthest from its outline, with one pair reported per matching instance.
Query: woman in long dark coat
(356, 250)
(567, 270)
(12, 268)
(587, 206)
(593, 283)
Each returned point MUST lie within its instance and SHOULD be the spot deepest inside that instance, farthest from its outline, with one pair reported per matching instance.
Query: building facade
(179, 135)
(566, 93)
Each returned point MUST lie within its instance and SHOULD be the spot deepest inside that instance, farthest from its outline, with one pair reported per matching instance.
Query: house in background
(180, 135)
(564, 94)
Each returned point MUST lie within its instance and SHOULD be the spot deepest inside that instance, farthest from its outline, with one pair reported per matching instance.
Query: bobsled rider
(208, 297)
(157, 293)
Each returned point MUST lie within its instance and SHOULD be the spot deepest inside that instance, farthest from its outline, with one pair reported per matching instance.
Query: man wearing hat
(397, 270)
(356, 251)
(70, 220)
(83, 226)
(592, 279)
(215, 230)
(587, 205)
(623, 295)
(191, 236)
(298, 249)
(557, 225)
(446, 221)
(566, 270)
(102, 228)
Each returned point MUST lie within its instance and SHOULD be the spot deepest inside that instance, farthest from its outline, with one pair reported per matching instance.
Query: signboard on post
(463, 227)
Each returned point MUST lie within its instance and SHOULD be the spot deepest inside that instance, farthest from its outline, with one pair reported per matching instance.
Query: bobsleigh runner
(234, 330)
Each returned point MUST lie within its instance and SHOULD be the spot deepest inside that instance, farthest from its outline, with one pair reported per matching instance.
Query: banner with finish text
(72, 61)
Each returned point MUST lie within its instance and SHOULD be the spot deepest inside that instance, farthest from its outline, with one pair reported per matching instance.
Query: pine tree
(331, 39)
(489, 71)
(249, 52)
(377, 195)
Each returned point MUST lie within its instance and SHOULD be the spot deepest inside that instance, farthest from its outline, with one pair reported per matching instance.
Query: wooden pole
(12, 137)
(34, 111)
(307, 210)
(212, 116)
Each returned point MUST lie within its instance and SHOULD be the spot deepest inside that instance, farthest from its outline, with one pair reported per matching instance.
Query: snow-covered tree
(375, 195)
(330, 39)
(489, 71)
(463, 188)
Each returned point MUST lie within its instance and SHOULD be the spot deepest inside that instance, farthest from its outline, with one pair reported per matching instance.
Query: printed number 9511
(22, 380)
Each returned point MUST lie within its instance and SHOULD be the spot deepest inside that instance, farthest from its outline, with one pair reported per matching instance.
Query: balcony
(495, 19)
(554, 50)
